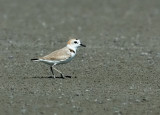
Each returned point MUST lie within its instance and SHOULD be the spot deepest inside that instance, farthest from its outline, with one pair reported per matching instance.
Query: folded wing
(57, 55)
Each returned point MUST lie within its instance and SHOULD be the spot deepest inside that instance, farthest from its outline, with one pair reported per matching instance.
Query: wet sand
(118, 73)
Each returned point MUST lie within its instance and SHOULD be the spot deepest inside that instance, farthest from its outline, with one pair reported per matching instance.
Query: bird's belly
(65, 61)
(50, 62)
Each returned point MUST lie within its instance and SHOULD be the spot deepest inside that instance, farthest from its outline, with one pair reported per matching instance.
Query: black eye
(75, 42)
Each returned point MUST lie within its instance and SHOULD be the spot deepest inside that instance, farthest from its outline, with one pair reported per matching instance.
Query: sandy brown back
(61, 54)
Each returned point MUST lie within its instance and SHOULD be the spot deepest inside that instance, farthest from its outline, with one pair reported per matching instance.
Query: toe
(62, 75)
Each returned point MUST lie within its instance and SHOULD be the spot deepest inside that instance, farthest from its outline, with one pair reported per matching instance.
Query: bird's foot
(68, 76)
(62, 76)
(54, 76)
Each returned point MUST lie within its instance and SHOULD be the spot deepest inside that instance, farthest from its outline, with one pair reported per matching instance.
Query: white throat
(71, 47)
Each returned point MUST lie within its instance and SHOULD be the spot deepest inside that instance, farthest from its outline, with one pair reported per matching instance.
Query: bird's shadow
(51, 77)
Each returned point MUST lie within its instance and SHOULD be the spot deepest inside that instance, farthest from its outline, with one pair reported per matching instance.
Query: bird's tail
(35, 59)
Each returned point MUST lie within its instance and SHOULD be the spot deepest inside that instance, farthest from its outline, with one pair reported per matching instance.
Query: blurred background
(117, 73)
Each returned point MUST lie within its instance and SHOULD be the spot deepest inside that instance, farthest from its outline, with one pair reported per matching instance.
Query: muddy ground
(118, 73)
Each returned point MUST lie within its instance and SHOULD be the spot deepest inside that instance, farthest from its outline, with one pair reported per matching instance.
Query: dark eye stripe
(75, 42)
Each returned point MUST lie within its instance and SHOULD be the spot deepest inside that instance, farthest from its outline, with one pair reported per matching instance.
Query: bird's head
(75, 43)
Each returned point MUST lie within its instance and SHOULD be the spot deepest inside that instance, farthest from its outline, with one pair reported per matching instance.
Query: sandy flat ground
(118, 73)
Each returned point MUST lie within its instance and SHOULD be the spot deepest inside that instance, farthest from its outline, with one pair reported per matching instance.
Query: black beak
(83, 45)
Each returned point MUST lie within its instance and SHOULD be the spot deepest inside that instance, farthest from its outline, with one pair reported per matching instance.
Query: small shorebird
(61, 56)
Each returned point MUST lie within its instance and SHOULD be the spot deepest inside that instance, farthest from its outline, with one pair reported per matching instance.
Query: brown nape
(69, 42)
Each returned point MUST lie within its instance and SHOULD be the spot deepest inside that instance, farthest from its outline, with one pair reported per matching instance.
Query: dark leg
(52, 71)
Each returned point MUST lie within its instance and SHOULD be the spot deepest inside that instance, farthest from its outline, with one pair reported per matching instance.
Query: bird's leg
(59, 72)
(52, 72)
